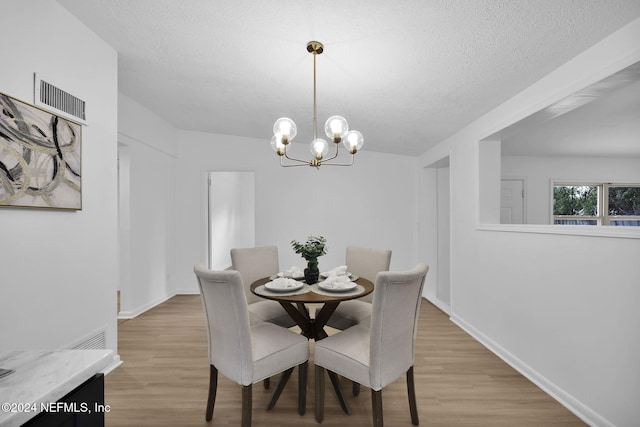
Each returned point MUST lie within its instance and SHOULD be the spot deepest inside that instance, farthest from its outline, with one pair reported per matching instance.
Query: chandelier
(336, 128)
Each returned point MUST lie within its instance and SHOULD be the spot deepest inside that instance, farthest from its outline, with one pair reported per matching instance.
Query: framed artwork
(40, 158)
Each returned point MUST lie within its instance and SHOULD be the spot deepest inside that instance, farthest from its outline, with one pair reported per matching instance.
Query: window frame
(602, 217)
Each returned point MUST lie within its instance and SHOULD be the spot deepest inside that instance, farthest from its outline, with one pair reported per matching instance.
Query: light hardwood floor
(164, 378)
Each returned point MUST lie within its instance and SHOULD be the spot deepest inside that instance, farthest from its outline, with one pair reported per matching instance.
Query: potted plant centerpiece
(313, 248)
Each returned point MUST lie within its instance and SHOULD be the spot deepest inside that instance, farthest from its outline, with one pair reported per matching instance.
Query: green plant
(313, 248)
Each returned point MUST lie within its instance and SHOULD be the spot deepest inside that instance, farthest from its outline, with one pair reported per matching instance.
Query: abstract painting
(40, 158)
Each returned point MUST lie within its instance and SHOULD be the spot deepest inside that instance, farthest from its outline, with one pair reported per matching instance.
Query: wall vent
(58, 101)
(95, 342)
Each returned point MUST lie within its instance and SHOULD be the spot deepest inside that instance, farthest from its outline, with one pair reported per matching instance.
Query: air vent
(95, 342)
(58, 101)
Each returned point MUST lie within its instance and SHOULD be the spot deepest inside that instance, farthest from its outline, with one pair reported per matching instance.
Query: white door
(512, 201)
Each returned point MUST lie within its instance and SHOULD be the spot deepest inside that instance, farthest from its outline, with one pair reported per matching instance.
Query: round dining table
(294, 302)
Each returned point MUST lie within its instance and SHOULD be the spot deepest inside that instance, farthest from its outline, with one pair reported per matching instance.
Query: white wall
(540, 172)
(358, 205)
(60, 268)
(560, 308)
(149, 146)
(373, 203)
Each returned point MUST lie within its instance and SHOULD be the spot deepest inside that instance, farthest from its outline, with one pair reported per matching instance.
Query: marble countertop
(44, 376)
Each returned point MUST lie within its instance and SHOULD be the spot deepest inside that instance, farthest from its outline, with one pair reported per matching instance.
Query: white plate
(352, 277)
(270, 286)
(326, 274)
(348, 287)
(281, 274)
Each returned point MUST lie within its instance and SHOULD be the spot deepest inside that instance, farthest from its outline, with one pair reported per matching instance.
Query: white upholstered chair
(253, 264)
(379, 355)
(366, 263)
(242, 352)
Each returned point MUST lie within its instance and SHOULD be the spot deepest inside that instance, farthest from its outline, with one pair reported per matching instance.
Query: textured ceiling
(407, 74)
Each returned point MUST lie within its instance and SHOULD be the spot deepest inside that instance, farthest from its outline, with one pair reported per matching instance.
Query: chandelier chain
(315, 120)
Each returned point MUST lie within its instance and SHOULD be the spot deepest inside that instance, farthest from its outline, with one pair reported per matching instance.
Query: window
(596, 204)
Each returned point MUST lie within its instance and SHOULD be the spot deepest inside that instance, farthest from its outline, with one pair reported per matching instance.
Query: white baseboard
(585, 413)
(443, 306)
(187, 291)
(148, 306)
(138, 311)
(113, 365)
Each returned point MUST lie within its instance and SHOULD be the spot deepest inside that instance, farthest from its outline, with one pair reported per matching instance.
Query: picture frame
(40, 157)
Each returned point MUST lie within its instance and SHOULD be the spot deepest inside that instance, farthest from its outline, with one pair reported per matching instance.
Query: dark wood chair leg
(246, 405)
(302, 388)
(335, 381)
(278, 390)
(411, 391)
(376, 404)
(355, 388)
(267, 383)
(213, 388)
(319, 407)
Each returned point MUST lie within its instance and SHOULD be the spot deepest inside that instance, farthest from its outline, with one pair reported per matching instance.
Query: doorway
(124, 227)
(231, 215)
(437, 233)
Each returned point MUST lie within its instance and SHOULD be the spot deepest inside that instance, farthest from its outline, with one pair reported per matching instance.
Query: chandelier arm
(294, 159)
(339, 164)
(286, 154)
(292, 166)
(334, 156)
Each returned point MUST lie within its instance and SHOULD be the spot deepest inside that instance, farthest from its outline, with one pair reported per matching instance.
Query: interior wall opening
(436, 217)
(586, 138)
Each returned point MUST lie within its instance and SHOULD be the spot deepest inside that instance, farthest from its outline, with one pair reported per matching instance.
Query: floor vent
(95, 342)
(58, 101)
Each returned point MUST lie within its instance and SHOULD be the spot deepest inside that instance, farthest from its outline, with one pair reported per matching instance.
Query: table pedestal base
(313, 329)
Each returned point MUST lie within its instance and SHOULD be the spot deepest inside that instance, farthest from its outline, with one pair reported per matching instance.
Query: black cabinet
(83, 407)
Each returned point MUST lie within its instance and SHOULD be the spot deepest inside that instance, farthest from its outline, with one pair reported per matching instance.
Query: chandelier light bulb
(285, 129)
(277, 145)
(336, 128)
(353, 141)
(319, 148)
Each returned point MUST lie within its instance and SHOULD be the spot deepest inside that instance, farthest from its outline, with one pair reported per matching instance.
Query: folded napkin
(283, 283)
(338, 271)
(337, 282)
(291, 272)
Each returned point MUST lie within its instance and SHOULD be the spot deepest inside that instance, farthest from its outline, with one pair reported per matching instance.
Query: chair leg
(319, 380)
(247, 402)
(411, 391)
(267, 383)
(355, 388)
(213, 388)
(376, 404)
(302, 388)
(335, 382)
(278, 390)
